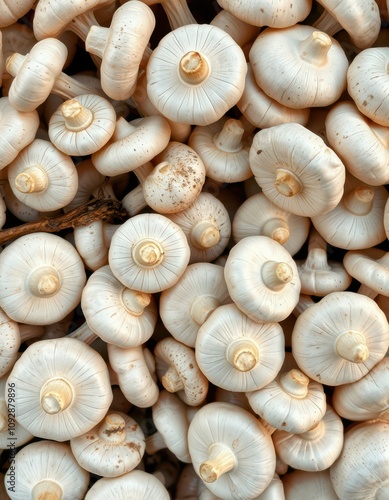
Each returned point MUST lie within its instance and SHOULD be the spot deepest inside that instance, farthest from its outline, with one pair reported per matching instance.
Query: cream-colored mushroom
(10, 13)
(296, 170)
(309, 72)
(83, 125)
(134, 485)
(257, 215)
(231, 451)
(237, 353)
(42, 277)
(63, 388)
(367, 398)
(362, 144)
(148, 253)
(43, 177)
(121, 47)
(341, 338)
(242, 32)
(357, 222)
(262, 279)
(196, 74)
(361, 471)
(113, 447)
(177, 11)
(46, 469)
(117, 314)
(291, 402)
(317, 484)
(185, 306)
(179, 372)
(135, 368)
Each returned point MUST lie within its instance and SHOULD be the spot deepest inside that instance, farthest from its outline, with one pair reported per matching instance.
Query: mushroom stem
(67, 87)
(295, 383)
(193, 68)
(113, 429)
(84, 334)
(154, 443)
(147, 253)
(96, 40)
(360, 200)
(352, 346)
(135, 302)
(276, 229)
(178, 13)
(366, 290)
(221, 459)
(32, 180)
(317, 259)
(202, 307)
(287, 183)
(242, 354)
(314, 49)
(304, 302)
(229, 139)
(204, 235)
(47, 489)
(171, 380)
(77, 117)
(276, 275)
(43, 281)
(315, 433)
(122, 130)
(327, 23)
(56, 395)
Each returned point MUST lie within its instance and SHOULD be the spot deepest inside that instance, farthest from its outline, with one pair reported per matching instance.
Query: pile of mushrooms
(194, 266)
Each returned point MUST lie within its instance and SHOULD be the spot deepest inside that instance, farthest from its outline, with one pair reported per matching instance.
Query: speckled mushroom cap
(185, 306)
(196, 74)
(10, 341)
(135, 485)
(339, 339)
(237, 353)
(179, 372)
(47, 469)
(113, 447)
(262, 278)
(231, 451)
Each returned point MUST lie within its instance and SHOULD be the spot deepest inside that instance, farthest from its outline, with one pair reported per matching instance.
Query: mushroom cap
(176, 364)
(320, 331)
(113, 447)
(186, 305)
(242, 436)
(135, 485)
(10, 341)
(360, 143)
(314, 450)
(42, 277)
(55, 183)
(291, 402)
(222, 85)
(48, 462)
(311, 72)
(132, 145)
(236, 353)
(81, 126)
(115, 313)
(370, 267)
(316, 484)
(296, 170)
(260, 296)
(257, 215)
(361, 471)
(368, 83)
(79, 370)
(148, 253)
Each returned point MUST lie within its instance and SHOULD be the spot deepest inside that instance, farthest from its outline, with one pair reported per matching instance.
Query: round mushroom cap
(196, 74)
(135, 485)
(42, 277)
(262, 279)
(148, 253)
(231, 451)
(113, 447)
(63, 388)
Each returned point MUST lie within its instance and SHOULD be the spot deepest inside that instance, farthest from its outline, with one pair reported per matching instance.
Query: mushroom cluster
(194, 256)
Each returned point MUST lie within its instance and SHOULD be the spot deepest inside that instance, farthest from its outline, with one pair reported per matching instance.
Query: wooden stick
(97, 209)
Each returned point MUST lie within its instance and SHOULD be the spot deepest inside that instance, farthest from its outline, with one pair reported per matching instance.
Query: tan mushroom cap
(113, 447)
(179, 372)
(228, 447)
(371, 268)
